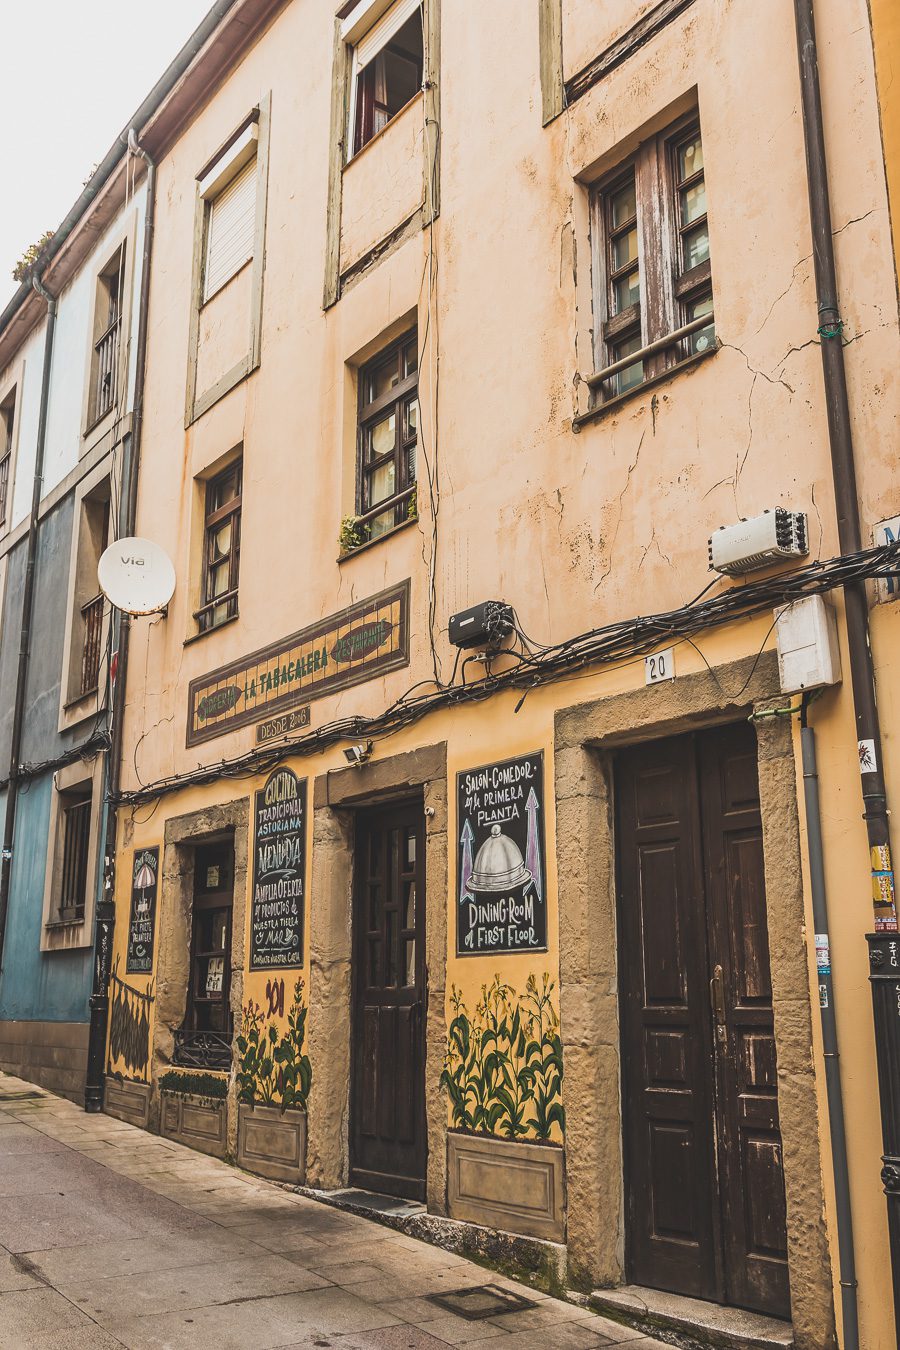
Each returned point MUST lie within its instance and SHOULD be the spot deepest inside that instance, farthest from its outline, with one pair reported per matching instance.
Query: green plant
(31, 257)
(503, 1065)
(412, 505)
(273, 1069)
(210, 1087)
(353, 533)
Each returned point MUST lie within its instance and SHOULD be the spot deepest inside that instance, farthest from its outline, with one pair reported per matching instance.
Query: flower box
(507, 1184)
(199, 1122)
(272, 1142)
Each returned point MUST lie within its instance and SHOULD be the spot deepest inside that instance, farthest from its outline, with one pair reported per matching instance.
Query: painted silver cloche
(499, 865)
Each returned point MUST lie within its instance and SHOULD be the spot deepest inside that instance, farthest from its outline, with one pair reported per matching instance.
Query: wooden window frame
(212, 520)
(62, 931)
(363, 99)
(8, 427)
(668, 291)
(211, 178)
(372, 411)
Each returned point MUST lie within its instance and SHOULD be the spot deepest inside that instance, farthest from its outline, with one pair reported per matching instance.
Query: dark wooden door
(704, 1179)
(388, 1139)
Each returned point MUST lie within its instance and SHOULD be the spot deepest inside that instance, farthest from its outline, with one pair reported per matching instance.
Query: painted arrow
(533, 847)
(467, 839)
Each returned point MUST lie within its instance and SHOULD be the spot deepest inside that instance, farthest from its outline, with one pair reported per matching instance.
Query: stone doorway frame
(337, 796)
(181, 837)
(586, 736)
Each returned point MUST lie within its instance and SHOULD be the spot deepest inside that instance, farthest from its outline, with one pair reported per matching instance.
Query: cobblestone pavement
(113, 1237)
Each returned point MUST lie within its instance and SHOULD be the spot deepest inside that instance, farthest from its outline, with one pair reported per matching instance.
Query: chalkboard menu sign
(279, 866)
(142, 924)
(501, 860)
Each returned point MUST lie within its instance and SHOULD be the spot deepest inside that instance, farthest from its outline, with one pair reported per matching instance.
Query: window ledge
(372, 543)
(610, 405)
(56, 924)
(208, 632)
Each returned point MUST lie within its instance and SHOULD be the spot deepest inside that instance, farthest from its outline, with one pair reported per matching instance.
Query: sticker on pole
(823, 954)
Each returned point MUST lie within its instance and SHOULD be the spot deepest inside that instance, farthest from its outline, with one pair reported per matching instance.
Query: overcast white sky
(73, 73)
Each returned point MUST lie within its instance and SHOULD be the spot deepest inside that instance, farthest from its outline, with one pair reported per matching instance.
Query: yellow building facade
(519, 929)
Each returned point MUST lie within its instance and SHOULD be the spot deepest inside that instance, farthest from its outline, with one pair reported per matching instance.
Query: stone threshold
(691, 1323)
(532, 1261)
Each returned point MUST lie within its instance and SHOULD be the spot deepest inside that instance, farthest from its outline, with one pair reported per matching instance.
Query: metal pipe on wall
(843, 1213)
(12, 791)
(106, 910)
(862, 672)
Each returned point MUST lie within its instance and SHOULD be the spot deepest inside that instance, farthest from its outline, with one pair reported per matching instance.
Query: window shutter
(380, 34)
(230, 230)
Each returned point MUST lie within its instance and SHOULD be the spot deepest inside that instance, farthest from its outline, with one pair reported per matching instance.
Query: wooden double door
(388, 1146)
(705, 1206)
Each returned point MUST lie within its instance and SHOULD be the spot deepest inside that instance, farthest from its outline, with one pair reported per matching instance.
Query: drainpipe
(884, 949)
(12, 791)
(106, 909)
(846, 1258)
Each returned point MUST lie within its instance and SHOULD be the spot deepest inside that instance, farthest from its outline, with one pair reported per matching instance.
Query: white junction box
(808, 652)
(758, 542)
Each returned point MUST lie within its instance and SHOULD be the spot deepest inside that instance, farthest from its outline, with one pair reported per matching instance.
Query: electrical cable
(607, 646)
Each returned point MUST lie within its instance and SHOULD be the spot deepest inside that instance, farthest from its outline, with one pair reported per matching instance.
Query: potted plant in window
(274, 1077)
(194, 1109)
(503, 1077)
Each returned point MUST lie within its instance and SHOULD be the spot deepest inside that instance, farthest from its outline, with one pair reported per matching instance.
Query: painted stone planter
(198, 1122)
(272, 1142)
(127, 1101)
(508, 1184)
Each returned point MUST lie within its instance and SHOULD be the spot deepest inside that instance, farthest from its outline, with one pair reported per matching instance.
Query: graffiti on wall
(503, 1067)
(273, 1069)
(501, 860)
(129, 1025)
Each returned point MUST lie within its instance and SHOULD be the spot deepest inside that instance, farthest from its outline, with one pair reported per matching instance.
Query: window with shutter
(230, 227)
(388, 66)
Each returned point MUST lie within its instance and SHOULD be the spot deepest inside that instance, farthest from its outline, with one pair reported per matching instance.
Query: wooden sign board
(365, 640)
(501, 903)
(279, 872)
(142, 920)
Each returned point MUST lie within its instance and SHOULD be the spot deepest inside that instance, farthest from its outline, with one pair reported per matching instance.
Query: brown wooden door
(388, 1140)
(704, 1180)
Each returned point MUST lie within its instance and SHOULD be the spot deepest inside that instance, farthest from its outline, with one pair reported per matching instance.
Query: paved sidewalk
(113, 1237)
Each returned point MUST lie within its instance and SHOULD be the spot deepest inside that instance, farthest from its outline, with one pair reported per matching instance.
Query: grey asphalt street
(112, 1237)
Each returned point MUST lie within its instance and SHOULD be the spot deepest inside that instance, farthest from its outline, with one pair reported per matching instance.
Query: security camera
(358, 754)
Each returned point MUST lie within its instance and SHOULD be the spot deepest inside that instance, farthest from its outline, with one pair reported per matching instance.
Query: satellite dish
(137, 576)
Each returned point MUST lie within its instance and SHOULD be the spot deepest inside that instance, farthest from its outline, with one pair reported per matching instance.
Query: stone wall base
(51, 1054)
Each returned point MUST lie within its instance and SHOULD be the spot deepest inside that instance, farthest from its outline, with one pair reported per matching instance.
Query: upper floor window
(221, 548)
(7, 425)
(107, 338)
(73, 854)
(388, 432)
(387, 71)
(653, 262)
(228, 189)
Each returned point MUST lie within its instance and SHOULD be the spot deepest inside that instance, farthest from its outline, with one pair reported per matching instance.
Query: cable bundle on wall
(613, 643)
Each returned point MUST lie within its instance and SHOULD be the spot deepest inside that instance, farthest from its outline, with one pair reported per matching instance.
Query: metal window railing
(76, 840)
(106, 364)
(92, 615)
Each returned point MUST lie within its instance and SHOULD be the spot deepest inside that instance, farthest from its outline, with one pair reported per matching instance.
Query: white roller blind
(380, 34)
(230, 230)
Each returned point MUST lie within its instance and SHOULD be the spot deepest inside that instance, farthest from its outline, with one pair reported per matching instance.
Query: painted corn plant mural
(503, 1067)
(273, 1069)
